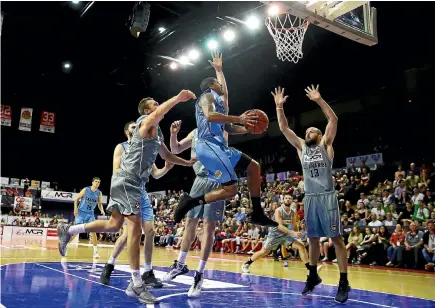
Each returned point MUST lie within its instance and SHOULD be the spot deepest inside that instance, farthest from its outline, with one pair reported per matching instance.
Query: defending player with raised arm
(322, 214)
(148, 276)
(89, 198)
(127, 187)
(220, 160)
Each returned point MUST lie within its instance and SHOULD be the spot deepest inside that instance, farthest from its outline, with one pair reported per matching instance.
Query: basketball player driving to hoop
(322, 214)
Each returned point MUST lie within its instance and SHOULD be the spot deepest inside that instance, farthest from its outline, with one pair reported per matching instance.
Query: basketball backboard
(355, 20)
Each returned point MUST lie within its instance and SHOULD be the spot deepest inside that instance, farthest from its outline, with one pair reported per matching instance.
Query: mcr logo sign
(30, 232)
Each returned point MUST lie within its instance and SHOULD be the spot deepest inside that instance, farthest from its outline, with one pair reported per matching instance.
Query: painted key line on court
(75, 284)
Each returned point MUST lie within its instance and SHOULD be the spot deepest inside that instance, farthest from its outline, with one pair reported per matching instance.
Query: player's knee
(148, 228)
(314, 241)
(265, 251)
(209, 226)
(337, 241)
(114, 225)
(231, 190)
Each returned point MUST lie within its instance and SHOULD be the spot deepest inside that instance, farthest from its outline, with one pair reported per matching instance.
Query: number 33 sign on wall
(48, 122)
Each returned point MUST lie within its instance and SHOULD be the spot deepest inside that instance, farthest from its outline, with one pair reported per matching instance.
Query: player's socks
(95, 249)
(307, 265)
(343, 277)
(256, 205)
(73, 230)
(182, 257)
(135, 276)
(249, 262)
(201, 266)
(112, 260)
(312, 271)
(148, 267)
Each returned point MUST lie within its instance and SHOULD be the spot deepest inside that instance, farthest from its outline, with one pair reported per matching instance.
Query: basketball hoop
(288, 35)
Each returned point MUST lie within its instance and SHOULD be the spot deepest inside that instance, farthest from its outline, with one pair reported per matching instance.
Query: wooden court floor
(417, 284)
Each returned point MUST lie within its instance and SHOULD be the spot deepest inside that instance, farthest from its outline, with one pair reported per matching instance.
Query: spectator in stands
(397, 241)
(240, 216)
(37, 223)
(399, 172)
(349, 210)
(417, 196)
(369, 239)
(399, 181)
(358, 222)
(421, 213)
(379, 189)
(374, 221)
(413, 243)
(326, 243)
(378, 211)
(53, 223)
(354, 240)
(429, 246)
(406, 215)
(411, 181)
(363, 198)
(262, 235)
(389, 222)
(361, 210)
(428, 197)
(424, 179)
(378, 252)
(413, 169)
(178, 236)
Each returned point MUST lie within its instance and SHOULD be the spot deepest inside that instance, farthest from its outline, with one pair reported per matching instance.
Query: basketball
(262, 122)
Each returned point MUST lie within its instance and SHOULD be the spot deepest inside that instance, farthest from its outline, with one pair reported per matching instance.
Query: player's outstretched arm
(179, 146)
(280, 99)
(157, 115)
(217, 65)
(207, 104)
(174, 159)
(158, 173)
(117, 158)
(232, 129)
(331, 128)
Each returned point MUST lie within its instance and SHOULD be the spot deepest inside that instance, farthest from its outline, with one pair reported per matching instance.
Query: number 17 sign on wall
(48, 122)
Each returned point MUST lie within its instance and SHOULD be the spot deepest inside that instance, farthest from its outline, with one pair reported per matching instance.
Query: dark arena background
(73, 74)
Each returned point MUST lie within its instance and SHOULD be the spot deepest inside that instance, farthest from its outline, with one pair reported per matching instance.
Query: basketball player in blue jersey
(89, 198)
(322, 214)
(147, 219)
(219, 160)
(127, 187)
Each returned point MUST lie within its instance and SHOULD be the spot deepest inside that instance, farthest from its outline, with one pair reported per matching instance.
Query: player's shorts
(125, 194)
(273, 242)
(219, 159)
(84, 218)
(322, 215)
(214, 211)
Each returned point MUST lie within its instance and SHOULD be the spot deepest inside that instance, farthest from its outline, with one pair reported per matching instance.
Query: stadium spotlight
(252, 22)
(75, 2)
(161, 29)
(173, 66)
(273, 10)
(194, 54)
(229, 35)
(67, 65)
(212, 44)
(183, 60)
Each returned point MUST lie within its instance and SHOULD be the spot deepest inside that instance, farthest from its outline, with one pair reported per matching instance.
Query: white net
(288, 33)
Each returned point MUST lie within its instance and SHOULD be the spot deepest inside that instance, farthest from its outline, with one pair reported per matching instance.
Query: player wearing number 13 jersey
(322, 214)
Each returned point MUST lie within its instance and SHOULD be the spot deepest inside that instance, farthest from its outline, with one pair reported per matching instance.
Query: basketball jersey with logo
(90, 201)
(207, 130)
(287, 221)
(197, 167)
(142, 153)
(317, 169)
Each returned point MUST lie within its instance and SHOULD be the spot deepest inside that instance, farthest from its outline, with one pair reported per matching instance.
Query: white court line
(56, 270)
(2, 306)
(263, 292)
(333, 285)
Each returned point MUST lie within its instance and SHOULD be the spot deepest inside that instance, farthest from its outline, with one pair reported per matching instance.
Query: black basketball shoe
(105, 274)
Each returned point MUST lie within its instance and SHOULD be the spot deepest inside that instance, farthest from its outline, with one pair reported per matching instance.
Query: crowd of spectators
(386, 222)
(35, 219)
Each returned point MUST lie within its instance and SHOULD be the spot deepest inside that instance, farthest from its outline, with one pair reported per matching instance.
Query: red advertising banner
(48, 122)
(6, 115)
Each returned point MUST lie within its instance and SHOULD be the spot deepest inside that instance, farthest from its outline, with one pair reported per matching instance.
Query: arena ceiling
(111, 71)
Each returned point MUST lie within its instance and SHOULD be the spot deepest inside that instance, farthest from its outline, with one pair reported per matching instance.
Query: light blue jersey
(90, 201)
(206, 130)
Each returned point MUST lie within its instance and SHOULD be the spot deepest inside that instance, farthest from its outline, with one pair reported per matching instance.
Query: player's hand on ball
(279, 97)
(168, 165)
(185, 95)
(175, 127)
(248, 119)
(313, 93)
(217, 60)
